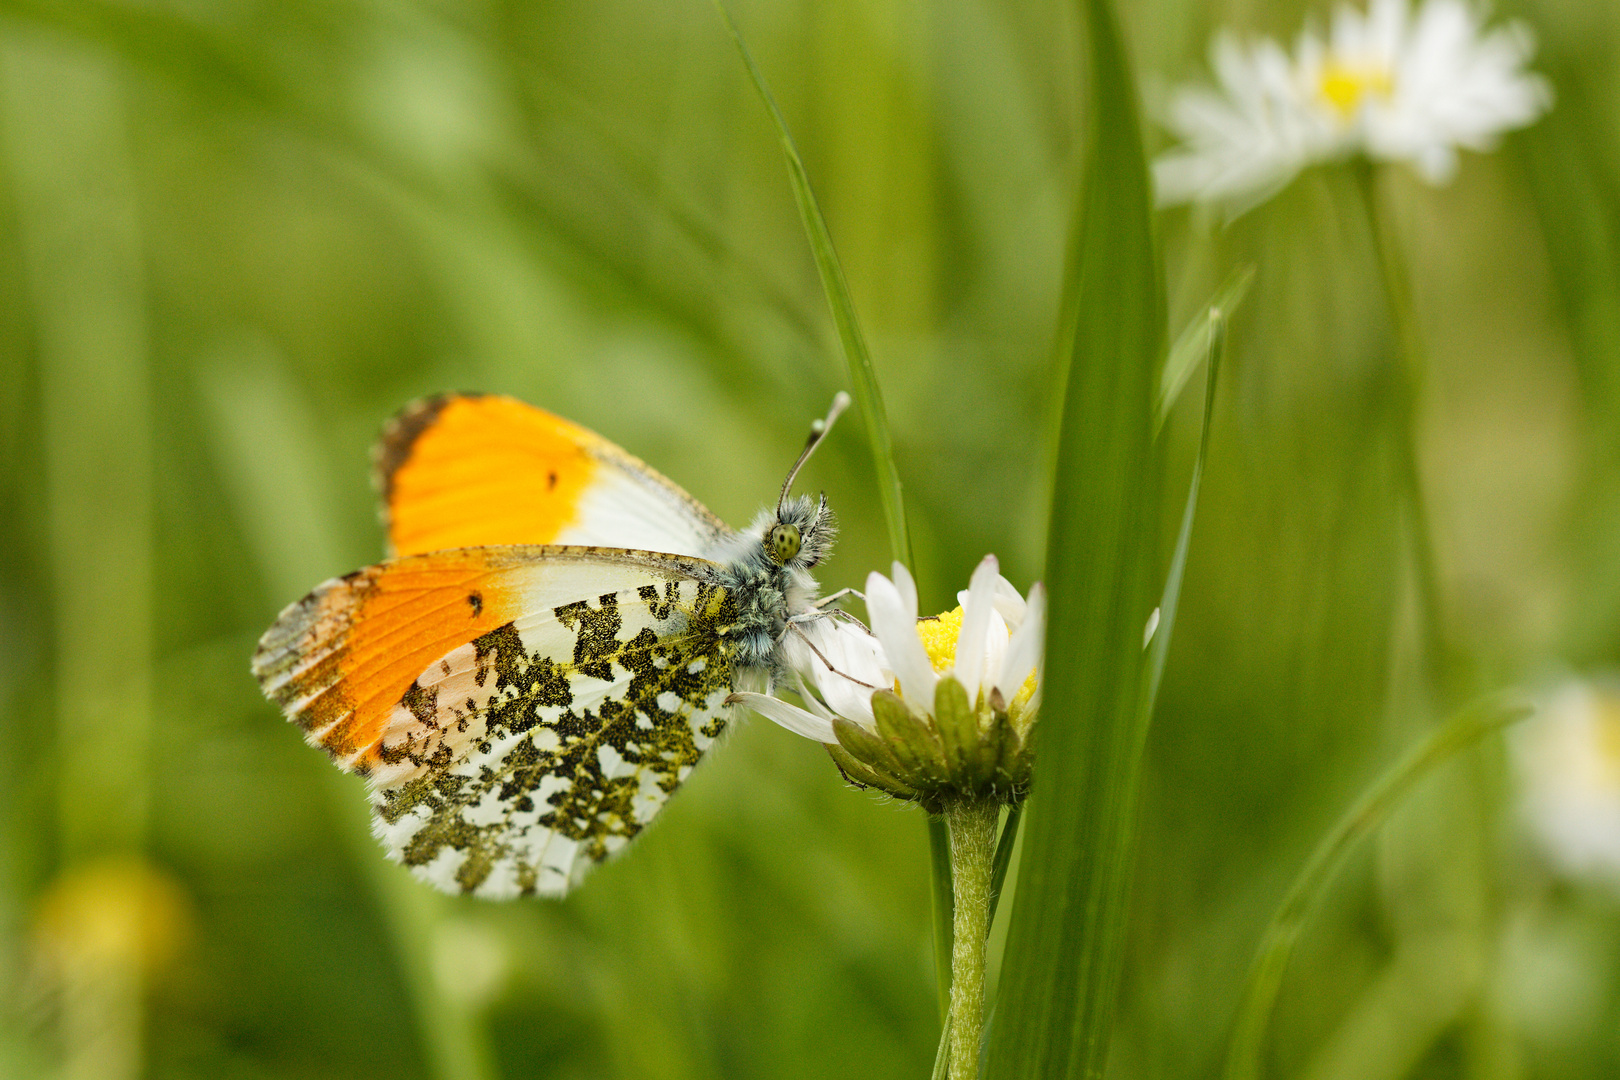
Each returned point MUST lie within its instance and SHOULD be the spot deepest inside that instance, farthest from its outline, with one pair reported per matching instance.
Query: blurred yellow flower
(111, 913)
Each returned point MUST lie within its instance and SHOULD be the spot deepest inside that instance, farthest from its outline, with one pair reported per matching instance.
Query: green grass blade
(942, 1056)
(1572, 181)
(1065, 940)
(1214, 336)
(64, 117)
(864, 384)
(1004, 854)
(1462, 730)
(944, 906)
(1193, 344)
(863, 379)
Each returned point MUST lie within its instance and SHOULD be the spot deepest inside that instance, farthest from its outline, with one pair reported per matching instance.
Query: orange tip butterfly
(548, 651)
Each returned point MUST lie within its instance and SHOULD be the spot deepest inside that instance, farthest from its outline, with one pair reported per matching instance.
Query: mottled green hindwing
(528, 755)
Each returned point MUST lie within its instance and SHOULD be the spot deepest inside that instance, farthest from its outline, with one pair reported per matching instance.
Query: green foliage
(1372, 807)
(1065, 943)
(1197, 341)
(1163, 623)
(235, 237)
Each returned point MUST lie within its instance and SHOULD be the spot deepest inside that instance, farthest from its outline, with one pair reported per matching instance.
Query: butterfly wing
(469, 470)
(521, 712)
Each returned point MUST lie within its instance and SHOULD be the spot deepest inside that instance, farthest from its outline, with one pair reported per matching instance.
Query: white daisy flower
(1388, 84)
(1568, 759)
(918, 707)
(990, 644)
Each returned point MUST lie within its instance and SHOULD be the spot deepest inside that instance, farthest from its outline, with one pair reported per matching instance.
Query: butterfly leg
(835, 613)
(823, 658)
(835, 597)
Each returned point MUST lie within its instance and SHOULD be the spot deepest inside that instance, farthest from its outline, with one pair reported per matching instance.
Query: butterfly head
(801, 532)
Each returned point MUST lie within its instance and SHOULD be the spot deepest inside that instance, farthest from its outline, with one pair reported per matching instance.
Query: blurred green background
(235, 236)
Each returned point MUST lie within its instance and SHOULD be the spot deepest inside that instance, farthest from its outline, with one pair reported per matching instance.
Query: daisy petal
(791, 717)
(976, 612)
(1010, 603)
(1024, 651)
(809, 698)
(905, 586)
(858, 667)
(892, 606)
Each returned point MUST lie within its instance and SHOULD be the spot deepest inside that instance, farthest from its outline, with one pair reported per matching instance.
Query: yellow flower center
(939, 634)
(1608, 736)
(1347, 86)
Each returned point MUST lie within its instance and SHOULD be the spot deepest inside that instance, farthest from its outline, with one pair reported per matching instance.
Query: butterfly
(547, 652)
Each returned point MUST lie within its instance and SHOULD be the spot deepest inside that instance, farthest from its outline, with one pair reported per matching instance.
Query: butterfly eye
(783, 542)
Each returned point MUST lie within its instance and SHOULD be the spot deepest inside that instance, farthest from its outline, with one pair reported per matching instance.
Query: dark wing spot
(551, 480)
(597, 641)
(422, 704)
(476, 599)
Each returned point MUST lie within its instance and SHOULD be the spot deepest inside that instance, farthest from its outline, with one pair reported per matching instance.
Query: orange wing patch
(340, 659)
(465, 470)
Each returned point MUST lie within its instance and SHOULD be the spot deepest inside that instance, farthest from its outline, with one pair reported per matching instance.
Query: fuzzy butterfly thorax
(769, 593)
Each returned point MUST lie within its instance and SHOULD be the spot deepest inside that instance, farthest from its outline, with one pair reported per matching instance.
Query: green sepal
(907, 734)
(1014, 756)
(985, 770)
(864, 776)
(866, 747)
(958, 729)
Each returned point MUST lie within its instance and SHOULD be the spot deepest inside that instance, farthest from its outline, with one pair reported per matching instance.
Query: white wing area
(629, 506)
(521, 759)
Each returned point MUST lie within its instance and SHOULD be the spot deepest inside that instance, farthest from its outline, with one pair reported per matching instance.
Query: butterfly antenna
(818, 431)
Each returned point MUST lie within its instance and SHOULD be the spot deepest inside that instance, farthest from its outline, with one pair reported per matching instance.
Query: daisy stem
(1442, 671)
(972, 825)
(1408, 400)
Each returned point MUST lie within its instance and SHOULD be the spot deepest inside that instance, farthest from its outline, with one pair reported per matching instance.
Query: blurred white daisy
(875, 697)
(1568, 759)
(1389, 84)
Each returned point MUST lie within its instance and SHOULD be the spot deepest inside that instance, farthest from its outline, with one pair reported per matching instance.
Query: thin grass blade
(863, 379)
(1193, 344)
(1065, 941)
(1159, 646)
(864, 384)
(943, 896)
(1461, 731)
(942, 1056)
(1004, 854)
